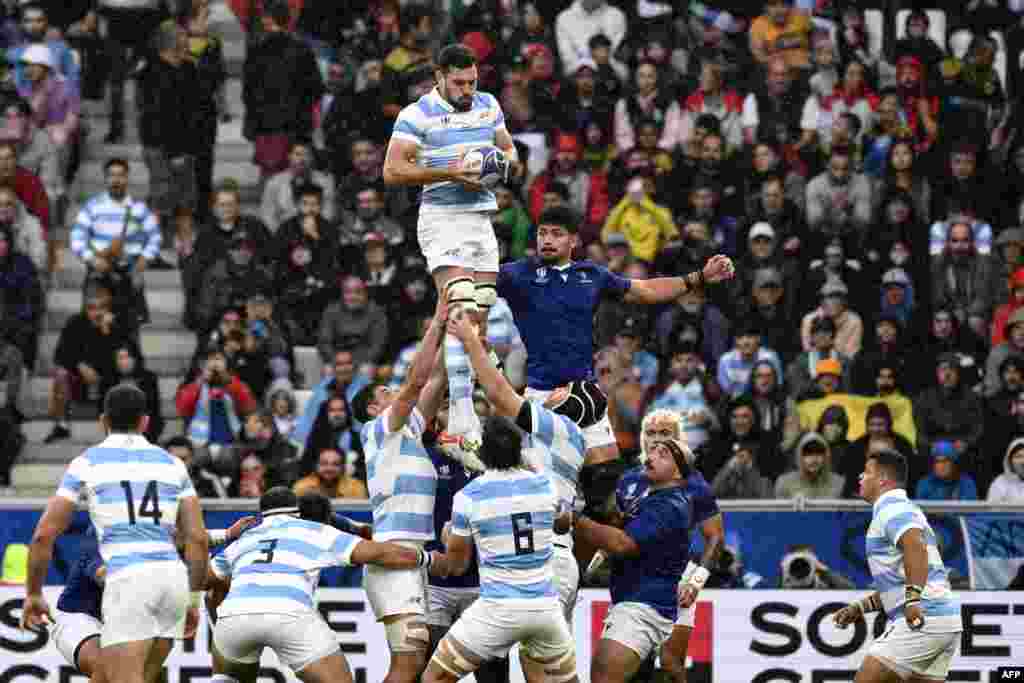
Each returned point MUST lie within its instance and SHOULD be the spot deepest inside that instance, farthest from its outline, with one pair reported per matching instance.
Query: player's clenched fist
(848, 615)
(718, 268)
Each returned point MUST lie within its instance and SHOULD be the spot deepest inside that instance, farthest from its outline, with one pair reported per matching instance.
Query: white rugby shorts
(463, 239)
(567, 579)
(395, 591)
(144, 602)
(637, 626)
(596, 435)
(445, 605)
(915, 653)
(489, 629)
(298, 640)
(71, 630)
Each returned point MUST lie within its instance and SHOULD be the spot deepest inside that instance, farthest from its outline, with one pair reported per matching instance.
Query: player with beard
(430, 138)
(553, 298)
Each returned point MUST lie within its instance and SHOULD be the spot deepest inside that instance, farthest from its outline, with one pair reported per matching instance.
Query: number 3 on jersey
(522, 532)
(150, 505)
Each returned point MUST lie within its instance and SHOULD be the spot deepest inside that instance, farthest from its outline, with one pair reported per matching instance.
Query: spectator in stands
(35, 151)
(12, 369)
(962, 278)
(416, 25)
(230, 281)
(741, 477)
(282, 405)
(713, 97)
(814, 477)
(892, 346)
(370, 215)
(54, 100)
(628, 342)
(170, 119)
(378, 268)
(647, 101)
(129, 366)
(576, 25)
(281, 84)
(281, 194)
(270, 338)
(767, 306)
(776, 194)
(1008, 487)
(214, 405)
(1013, 346)
(343, 381)
(332, 429)
(945, 482)
(778, 420)
(259, 438)
(354, 323)
(741, 422)
(781, 31)
(682, 390)
(710, 328)
(584, 102)
(735, 366)
(512, 225)
(916, 42)
(802, 372)
(417, 299)
(647, 225)
(252, 479)
(208, 484)
(307, 266)
(26, 185)
(878, 434)
(333, 478)
(1009, 256)
(367, 165)
(772, 112)
(1014, 303)
(35, 30)
(903, 172)
(848, 325)
(25, 230)
(950, 411)
(838, 205)
(763, 252)
(83, 357)
(564, 168)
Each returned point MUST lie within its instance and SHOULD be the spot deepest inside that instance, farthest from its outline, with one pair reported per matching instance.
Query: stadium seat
(307, 362)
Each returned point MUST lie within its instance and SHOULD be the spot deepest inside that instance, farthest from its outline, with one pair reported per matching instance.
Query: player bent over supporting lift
(273, 570)
(508, 515)
(454, 231)
(924, 621)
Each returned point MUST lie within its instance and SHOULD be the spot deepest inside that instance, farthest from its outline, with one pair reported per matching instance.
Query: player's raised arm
(419, 372)
(503, 397)
(661, 289)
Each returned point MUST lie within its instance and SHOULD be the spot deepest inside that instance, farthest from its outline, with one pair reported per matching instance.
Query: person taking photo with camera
(214, 405)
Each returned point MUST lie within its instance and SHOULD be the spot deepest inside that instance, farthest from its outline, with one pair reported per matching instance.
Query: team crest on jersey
(445, 472)
(542, 274)
(585, 278)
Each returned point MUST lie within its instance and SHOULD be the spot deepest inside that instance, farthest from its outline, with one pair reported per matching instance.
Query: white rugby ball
(489, 162)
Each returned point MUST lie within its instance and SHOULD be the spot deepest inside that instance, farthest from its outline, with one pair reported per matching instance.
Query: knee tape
(560, 668)
(486, 295)
(408, 634)
(460, 292)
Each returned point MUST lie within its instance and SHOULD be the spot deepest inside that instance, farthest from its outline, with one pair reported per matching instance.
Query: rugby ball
(491, 163)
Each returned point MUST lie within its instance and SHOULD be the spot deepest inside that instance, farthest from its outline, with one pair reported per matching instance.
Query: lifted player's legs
(458, 288)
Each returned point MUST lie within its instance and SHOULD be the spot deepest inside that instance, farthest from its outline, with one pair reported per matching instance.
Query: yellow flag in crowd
(856, 408)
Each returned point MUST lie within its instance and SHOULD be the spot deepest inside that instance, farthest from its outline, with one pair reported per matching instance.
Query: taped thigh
(560, 668)
(460, 292)
(455, 658)
(408, 634)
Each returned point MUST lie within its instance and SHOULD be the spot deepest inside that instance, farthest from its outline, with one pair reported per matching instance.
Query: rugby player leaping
(429, 140)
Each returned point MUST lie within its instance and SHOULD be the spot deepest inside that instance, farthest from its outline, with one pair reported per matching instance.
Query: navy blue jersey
(661, 527)
(451, 478)
(82, 594)
(633, 486)
(554, 311)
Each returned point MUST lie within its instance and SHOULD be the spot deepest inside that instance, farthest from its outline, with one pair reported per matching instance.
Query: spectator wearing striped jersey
(735, 366)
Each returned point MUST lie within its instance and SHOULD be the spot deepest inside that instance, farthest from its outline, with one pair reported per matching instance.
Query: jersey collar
(891, 493)
(435, 95)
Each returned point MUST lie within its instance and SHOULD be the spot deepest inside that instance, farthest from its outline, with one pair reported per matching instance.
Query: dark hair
(559, 188)
(299, 141)
(115, 161)
(278, 12)
(561, 216)
(278, 497)
(315, 507)
(361, 403)
(773, 178)
(178, 442)
(855, 123)
(892, 463)
(21, 104)
(310, 189)
(501, 446)
(124, 406)
(599, 40)
(455, 56)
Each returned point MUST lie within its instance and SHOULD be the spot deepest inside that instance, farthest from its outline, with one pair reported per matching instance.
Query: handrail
(752, 505)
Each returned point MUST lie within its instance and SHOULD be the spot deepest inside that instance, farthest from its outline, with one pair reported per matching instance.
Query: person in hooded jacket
(741, 476)
(258, 437)
(1014, 345)
(776, 411)
(834, 425)
(946, 481)
(130, 366)
(22, 301)
(813, 477)
(878, 434)
(950, 411)
(889, 345)
(229, 282)
(1004, 311)
(740, 422)
(1008, 487)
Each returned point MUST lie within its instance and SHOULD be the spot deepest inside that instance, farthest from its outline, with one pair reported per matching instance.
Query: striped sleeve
(220, 566)
(461, 511)
(342, 547)
(499, 120)
(408, 126)
(901, 519)
(80, 231)
(71, 485)
(151, 228)
(188, 489)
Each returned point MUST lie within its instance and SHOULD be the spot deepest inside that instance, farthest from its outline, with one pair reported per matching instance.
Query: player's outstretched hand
(239, 527)
(191, 622)
(35, 613)
(718, 269)
(847, 615)
(461, 327)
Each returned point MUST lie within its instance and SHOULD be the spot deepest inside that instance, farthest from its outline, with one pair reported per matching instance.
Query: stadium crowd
(869, 187)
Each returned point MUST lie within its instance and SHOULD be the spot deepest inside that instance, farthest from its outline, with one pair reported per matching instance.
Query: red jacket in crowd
(241, 396)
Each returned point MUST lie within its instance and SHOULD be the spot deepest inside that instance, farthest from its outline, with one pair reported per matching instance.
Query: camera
(798, 570)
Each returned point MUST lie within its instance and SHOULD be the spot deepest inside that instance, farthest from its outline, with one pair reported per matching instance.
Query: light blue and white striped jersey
(893, 514)
(444, 135)
(556, 448)
(102, 219)
(275, 566)
(401, 479)
(132, 489)
(510, 515)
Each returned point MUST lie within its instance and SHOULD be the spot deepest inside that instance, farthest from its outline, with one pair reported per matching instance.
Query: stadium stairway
(167, 345)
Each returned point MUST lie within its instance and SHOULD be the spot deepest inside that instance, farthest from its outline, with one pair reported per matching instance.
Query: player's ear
(105, 423)
(143, 424)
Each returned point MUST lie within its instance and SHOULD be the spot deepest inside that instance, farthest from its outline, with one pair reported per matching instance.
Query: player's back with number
(132, 489)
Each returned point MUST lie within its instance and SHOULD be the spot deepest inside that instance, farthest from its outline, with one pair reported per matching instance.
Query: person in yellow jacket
(646, 225)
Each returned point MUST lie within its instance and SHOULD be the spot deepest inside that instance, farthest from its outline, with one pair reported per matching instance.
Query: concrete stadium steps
(37, 479)
(84, 432)
(35, 400)
(167, 352)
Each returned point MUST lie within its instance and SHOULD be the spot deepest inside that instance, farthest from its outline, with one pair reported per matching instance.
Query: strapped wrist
(218, 536)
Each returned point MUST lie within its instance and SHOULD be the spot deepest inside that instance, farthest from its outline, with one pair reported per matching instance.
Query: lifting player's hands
(461, 326)
(718, 269)
(467, 177)
(239, 527)
(35, 613)
(914, 615)
(848, 615)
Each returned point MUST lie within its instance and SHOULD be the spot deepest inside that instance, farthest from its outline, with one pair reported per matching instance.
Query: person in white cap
(849, 326)
(55, 101)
